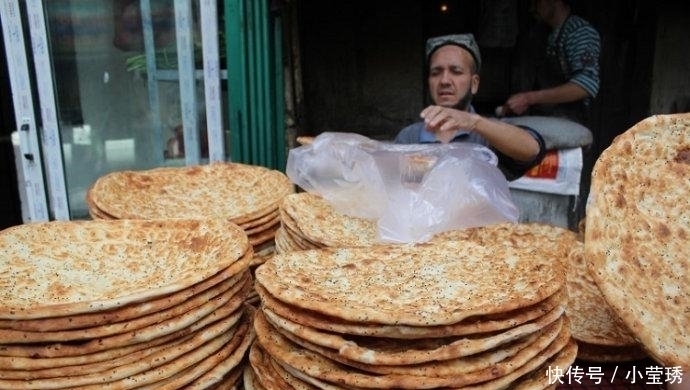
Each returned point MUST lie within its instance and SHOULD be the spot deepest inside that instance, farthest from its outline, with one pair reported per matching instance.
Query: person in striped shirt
(570, 81)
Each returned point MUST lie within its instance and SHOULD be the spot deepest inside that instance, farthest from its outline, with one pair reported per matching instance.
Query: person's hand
(441, 119)
(518, 103)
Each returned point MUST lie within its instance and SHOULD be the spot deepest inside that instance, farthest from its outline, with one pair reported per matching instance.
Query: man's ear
(475, 83)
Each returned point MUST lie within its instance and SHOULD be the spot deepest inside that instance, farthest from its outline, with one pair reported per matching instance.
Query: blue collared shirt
(417, 133)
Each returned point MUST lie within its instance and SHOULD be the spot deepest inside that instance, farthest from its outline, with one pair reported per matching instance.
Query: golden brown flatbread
(437, 283)
(222, 368)
(237, 192)
(300, 361)
(520, 235)
(494, 360)
(318, 221)
(189, 322)
(637, 233)
(64, 268)
(377, 351)
(593, 321)
(471, 325)
(128, 364)
(167, 362)
(262, 370)
(546, 376)
(226, 288)
(234, 272)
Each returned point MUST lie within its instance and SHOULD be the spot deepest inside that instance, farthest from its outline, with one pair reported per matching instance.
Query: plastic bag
(413, 191)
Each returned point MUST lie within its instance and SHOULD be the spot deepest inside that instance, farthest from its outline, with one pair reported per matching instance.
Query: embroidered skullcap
(466, 41)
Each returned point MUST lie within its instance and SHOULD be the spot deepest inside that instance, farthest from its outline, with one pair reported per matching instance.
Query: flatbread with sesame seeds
(301, 361)
(168, 361)
(60, 268)
(238, 192)
(227, 288)
(637, 233)
(593, 321)
(414, 284)
(513, 353)
(319, 222)
(518, 235)
(404, 352)
(168, 350)
(230, 276)
(471, 325)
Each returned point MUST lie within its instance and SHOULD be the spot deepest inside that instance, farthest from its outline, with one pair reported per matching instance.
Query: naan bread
(593, 321)
(319, 222)
(230, 276)
(166, 363)
(60, 268)
(102, 331)
(218, 370)
(427, 284)
(471, 325)
(520, 235)
(371, 350)
(238, 192)
(508, 354)
(178, 327)
(637, 234)
(290, 355)
(262, 370)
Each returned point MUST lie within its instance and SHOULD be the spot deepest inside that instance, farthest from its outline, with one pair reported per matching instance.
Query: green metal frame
(255, 84)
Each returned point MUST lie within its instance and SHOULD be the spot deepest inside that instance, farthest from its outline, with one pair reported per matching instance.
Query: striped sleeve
(582, 50)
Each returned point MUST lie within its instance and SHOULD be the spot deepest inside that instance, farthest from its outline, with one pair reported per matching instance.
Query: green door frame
(255, 84)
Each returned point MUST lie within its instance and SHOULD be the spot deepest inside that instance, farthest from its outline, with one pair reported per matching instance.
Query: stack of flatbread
(601, 336)
(455, 312)
(246, 195)
(637, 236)
(308, 221)
(124, 303)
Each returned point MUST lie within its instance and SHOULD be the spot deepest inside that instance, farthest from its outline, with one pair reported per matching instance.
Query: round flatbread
(319, 222)
(404, 352)
(508, 354)
(61, 268)
(231, 275)
(471, 325)
(637, 233)
(593, 320)
(227, 288)
(238, 192)
(301, 361)
(428, 284)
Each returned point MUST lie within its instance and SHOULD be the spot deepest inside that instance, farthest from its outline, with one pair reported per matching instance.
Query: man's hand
(441, 119)
(518, 103)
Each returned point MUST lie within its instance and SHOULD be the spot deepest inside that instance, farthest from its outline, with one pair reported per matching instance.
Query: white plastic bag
(413, 191)
(558, 173)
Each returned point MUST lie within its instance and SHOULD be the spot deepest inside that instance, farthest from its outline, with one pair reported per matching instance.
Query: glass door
(106, 85)
(110, 85)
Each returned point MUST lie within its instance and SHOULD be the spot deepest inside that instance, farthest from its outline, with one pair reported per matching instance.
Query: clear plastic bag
(413, 191)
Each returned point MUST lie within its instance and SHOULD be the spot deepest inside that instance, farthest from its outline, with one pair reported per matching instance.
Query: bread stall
(146, 295)
(337, 322)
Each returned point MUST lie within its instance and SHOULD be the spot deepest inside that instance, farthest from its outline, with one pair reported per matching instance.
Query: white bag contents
(413, 191)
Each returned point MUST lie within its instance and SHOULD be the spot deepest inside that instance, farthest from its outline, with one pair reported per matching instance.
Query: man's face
(452, 80)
